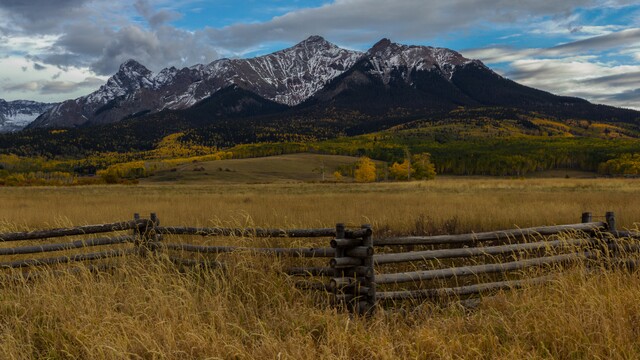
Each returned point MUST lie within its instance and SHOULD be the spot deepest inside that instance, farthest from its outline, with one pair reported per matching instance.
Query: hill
(273, 169)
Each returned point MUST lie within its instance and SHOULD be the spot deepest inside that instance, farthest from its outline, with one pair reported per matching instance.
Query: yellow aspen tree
(365, 170)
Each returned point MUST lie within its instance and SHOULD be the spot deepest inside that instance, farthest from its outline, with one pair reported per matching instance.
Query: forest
(481, 141)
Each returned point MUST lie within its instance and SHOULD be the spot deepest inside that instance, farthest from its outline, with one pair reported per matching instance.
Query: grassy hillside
(272, 169)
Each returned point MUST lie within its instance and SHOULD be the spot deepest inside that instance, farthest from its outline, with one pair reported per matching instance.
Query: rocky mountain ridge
(289, 77)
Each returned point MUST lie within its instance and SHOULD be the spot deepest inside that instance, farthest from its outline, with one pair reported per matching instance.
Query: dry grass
(149, 310)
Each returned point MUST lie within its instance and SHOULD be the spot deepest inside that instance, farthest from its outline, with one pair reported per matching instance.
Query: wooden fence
(361, 271)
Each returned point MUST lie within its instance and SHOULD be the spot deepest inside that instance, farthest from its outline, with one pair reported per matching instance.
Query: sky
(53, 50)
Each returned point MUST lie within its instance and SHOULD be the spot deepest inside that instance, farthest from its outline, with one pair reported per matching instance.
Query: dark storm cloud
(41, 16)
(165, 46)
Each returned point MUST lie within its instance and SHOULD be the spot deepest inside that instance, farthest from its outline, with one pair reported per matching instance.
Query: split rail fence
(361, 271)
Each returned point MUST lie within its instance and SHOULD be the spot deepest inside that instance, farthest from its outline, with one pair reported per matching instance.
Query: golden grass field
(146, 309)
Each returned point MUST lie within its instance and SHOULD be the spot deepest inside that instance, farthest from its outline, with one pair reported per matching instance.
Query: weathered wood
(257, 232)
(345, 262)
(67, 259)
(79, 230)
(66, 246)
(369, 279)
(487, 236)
(343, 282)
(611, 221)
(341, 243)
(460, 291)
(380, 259)
(479, 269)
(586, 217)
(359, 251)
(295, 252)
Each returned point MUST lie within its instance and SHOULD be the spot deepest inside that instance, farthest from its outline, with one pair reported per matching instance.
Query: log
(79, 230)
(66, 246)
(345, 262)
(66, 259)
(460, 291)
(258, 232)
(359, 251)
(479, 269)
(381, 259)
(296, 252)
(342, 243)
(492, 235)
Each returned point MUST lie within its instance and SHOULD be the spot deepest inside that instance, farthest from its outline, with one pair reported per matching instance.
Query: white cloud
(581, 77)
(47, 85)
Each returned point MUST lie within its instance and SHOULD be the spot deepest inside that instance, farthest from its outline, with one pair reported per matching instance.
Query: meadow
(148, 310)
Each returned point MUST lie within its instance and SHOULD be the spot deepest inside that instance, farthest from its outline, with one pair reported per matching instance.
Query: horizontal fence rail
(78, 230)
(296, 252)
(479, 251)
(462, 290)
(257, 232)
(78, 244)
(479, 269)
(67, 259)
(492, 235)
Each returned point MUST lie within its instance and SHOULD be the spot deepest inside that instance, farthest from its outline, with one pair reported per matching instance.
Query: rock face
(15, 115)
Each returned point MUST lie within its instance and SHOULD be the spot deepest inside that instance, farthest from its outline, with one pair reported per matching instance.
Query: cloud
(370, 20)
(45, 87)
(580, 77)
(155, 18)
(623, 38)
(41, 16)
(39, 67)
(162, 47)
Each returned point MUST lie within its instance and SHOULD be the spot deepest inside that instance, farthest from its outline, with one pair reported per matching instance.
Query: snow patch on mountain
(15, 115)
(388, 57)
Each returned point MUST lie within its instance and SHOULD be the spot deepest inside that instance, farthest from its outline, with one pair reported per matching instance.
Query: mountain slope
(15, 115)
(288, 77)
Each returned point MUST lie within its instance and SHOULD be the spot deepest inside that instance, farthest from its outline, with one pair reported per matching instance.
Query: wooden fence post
(137, 232)
(611, 221)
(586, 217)
(351, 283)
(369, 278)
(153, 237)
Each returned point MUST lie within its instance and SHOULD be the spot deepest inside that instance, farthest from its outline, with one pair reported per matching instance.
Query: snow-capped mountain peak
(387, 56)
(289, 76)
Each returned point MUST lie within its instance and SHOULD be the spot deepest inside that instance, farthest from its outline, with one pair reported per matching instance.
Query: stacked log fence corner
(353, 283)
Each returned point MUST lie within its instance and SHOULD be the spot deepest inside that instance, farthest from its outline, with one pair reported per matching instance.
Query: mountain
(288, 77)
(15, 115)
(313, 90)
